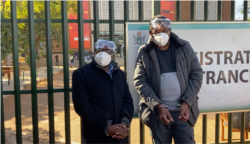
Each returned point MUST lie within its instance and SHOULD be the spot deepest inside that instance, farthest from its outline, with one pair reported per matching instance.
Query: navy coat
(99, 97)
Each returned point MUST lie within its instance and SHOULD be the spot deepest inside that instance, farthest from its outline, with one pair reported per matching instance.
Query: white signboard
(223, 50)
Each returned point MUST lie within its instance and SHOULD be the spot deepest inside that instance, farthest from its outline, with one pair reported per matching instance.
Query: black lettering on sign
(241, 76)
(238, 57)
(228, 57)
(247, 54)
(201, 58)
(210, 77)
(235, 77)
(218, 56)
(221, 77)
(209, 58)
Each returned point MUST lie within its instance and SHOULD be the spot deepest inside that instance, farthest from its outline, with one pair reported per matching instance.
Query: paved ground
(9, 115)
(25, 78)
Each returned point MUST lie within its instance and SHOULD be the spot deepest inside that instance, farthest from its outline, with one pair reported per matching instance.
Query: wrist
(108, 127)
(162, 106)
(107, 132)
(185, 103)
(158, 106)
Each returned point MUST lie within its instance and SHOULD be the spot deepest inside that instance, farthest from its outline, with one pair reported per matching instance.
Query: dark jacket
(99, 97)
(147, 79)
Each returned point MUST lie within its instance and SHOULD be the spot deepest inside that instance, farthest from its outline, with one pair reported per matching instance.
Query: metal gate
(66, 90)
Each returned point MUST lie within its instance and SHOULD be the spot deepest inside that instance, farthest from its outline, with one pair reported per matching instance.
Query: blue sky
(238, 14)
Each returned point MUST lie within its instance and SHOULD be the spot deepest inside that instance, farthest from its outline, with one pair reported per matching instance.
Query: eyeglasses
(102, 43)
(110, 52)
(167, 31)
(157, 22)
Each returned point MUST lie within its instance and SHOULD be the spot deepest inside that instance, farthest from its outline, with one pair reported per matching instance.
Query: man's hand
(184, 115)
(164, 114)
(118, 131)
(122, 132)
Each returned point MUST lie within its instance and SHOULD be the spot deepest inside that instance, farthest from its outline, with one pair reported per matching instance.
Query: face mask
(161, 39)
(102, 58)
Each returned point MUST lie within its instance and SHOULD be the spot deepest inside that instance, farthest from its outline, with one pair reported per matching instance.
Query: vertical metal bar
(2, 129)
(157, 7)
(205, 10)
(204, 129)
(245, 10)
(66, 70)
(80, 33)
(96, 20)
(126, 18)
(141, 16)
(178, 10)
(219, 17)
(242, 128)
(16, 72)
(142, 128)
(111, 21)
(192, 10)
(232, 10)
(230, 126)
(217, 128)
(49, 72)
(32, 49)
(142, 133)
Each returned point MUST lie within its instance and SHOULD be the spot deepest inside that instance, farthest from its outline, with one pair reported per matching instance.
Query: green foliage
(71, 52)
(40, 30)
(241, 9)
(6, 46)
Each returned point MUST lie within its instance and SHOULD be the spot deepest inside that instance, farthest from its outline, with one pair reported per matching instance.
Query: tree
(71, 52)
(241, 9)
(6, 47)
(23, 28)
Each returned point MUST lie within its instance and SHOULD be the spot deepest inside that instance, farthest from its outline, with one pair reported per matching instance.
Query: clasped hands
(166, 117)
(118, 131)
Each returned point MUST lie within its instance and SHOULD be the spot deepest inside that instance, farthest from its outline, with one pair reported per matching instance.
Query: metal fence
(66, 90)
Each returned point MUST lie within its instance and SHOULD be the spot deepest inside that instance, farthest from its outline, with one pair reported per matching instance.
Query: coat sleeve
(195, 80)
(96, 117)
(127, 106)
(141, 85)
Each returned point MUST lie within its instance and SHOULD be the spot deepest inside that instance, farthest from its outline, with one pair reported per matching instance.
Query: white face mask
(102, 58)
(161, 39)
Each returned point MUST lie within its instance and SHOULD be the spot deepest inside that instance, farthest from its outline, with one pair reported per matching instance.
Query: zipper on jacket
(157, 76)
(177, 70)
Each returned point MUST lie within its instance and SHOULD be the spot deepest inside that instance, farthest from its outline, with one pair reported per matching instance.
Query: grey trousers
(181, 132)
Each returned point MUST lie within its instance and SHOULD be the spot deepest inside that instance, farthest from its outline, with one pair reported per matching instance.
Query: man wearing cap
(101, 98)
(168, 77)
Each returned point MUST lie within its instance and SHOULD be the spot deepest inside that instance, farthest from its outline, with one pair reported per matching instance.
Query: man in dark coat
(168, 77)
(102, 99)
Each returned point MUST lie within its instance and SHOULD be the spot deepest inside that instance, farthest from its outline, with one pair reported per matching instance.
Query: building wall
(147, 6)
(226, 10)
(185, 10)
(147, 10)
(199, 10)
(212, 10)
